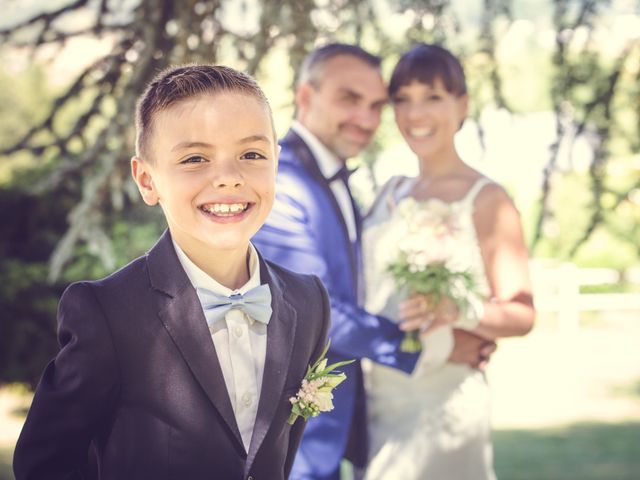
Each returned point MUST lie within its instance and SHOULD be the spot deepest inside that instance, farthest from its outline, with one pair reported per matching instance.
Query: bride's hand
(418, 312)
(471, 349)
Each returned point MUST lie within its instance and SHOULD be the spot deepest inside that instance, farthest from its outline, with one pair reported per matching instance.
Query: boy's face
(213, 167)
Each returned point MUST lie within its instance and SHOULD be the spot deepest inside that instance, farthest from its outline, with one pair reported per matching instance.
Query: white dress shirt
(329, 165)
(240, 342)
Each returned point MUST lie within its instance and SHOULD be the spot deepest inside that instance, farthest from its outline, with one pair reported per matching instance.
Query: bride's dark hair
(425, 63)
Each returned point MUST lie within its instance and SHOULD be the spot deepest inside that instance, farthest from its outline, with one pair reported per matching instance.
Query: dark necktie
(342, 174)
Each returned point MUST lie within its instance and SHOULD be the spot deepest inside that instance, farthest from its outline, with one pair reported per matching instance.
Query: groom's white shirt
(329, 165)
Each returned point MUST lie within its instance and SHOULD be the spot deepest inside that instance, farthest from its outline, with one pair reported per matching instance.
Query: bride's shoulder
(387, 194)
(492, 200)
(489, 191)
(393, 185)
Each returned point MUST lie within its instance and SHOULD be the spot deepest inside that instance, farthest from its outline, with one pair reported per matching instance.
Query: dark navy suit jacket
(138, 376)
(307, 233)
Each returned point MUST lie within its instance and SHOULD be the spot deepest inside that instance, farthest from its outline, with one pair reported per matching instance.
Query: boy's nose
(227, 174)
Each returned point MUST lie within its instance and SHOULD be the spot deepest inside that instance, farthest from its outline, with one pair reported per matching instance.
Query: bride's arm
(509, 311)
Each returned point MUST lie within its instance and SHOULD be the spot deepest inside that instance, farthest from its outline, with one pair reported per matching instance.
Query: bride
(434, 424)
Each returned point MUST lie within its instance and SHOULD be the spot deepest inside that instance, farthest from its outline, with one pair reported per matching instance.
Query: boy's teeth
(225, 208)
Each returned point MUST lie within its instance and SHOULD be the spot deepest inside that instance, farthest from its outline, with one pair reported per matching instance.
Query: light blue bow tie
(256, 303)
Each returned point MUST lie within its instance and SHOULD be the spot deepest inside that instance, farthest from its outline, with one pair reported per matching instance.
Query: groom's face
(343, 107)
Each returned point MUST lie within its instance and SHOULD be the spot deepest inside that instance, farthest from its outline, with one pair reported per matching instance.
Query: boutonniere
(315, 394)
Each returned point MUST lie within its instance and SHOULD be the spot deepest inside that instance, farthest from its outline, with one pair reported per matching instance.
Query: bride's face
(428, 116)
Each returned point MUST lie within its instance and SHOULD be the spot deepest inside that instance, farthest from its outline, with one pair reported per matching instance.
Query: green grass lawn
(584, 451)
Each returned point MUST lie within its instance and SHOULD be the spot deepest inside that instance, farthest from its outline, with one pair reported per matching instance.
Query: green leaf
(333, 366)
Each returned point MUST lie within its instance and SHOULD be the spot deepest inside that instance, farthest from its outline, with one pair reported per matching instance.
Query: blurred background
(555, 117)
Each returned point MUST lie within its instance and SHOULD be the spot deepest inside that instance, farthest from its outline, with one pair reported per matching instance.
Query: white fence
(557, 289)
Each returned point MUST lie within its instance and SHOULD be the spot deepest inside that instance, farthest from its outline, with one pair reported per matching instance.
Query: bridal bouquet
(424, 261)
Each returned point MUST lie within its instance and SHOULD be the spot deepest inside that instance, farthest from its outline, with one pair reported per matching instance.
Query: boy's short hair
(182, 82)
(425, 63)
(312, 66)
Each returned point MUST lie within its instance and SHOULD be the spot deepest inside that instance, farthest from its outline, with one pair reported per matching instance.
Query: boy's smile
(228, 211)
(225, 209)
(213, 173)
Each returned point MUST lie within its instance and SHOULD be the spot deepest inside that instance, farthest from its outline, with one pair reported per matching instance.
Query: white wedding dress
(435, 423)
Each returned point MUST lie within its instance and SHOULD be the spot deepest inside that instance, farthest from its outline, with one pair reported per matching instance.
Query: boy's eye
(398, 100)
(434, 97)
(253, 156)
(193, 159)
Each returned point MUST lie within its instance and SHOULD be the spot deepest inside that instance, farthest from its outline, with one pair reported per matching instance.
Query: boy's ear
(141, 173)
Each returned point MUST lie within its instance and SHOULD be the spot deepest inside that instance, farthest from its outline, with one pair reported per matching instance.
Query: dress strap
(387, 195)
(400, 189)
(473, 192)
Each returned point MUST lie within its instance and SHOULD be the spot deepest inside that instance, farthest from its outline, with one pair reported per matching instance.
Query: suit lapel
(182, 316)
(293, 141)
(280, 339)
(357, 255)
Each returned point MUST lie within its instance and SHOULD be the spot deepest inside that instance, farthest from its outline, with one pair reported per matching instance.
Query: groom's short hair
(312, 67)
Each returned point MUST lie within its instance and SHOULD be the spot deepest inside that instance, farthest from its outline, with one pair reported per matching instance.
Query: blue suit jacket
(307, 233)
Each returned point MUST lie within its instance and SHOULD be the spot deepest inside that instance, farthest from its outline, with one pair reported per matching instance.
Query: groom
(315, 228)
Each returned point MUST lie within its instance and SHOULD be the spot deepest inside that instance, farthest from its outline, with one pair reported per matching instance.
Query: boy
(158, 369)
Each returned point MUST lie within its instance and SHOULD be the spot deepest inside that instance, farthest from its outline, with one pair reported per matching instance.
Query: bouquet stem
(411, 342)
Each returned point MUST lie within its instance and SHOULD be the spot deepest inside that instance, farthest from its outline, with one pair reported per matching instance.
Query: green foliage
(27, 301)
(26, 95)
(32, 227)
(131, 236)
(614, 242)
(435, 280)
(532, 77)
(24, 100)
(35, 217)
(602, 248)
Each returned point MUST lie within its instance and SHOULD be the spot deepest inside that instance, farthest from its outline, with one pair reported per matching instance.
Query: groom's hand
(418, 312)
(471, 349)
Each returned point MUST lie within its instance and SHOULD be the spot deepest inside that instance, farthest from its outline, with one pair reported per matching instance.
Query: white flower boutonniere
(315, 394)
